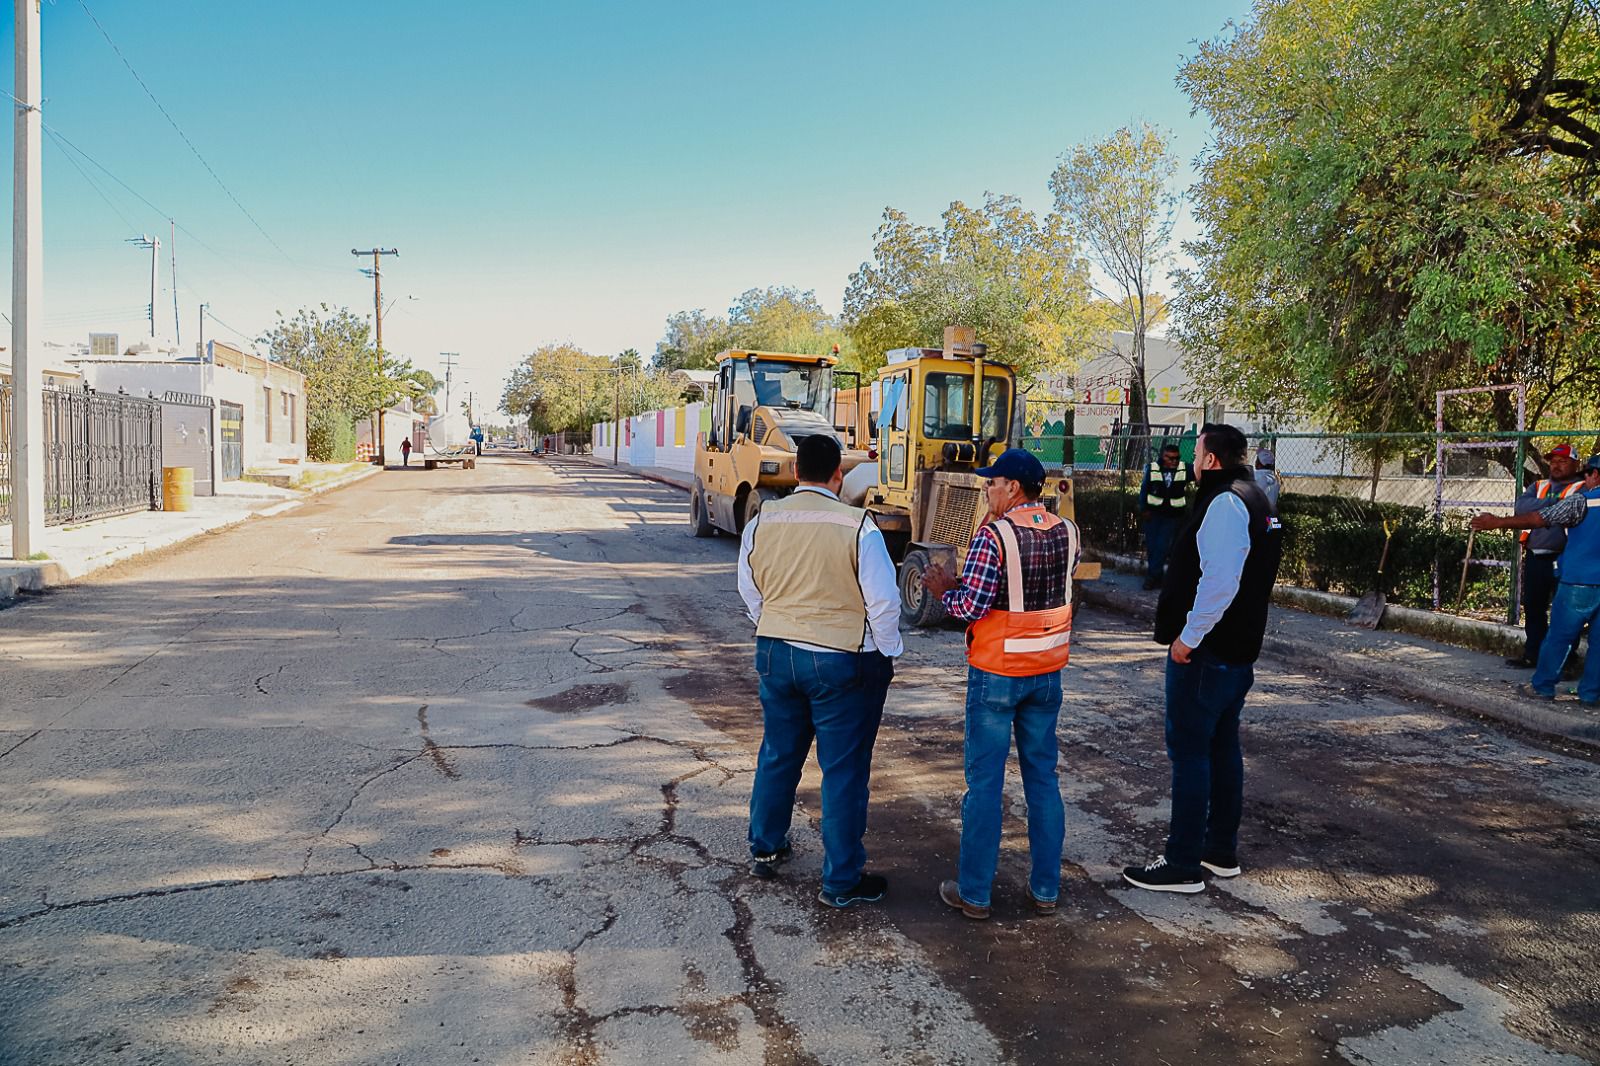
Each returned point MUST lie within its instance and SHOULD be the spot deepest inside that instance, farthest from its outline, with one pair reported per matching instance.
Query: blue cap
(1016, 464)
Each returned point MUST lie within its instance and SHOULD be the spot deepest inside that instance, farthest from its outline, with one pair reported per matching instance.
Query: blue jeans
(997, 706)
(836, 697)
(1158, 533)
(1204, 698)
(1574, 607)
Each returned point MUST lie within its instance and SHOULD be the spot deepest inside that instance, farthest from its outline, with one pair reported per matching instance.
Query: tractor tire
(752, 505)
(918, 606)
(699, 519)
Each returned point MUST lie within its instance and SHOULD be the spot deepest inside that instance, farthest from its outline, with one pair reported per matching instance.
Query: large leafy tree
(1119, 195)
(1018, 280)
(774, 319)
(561, 387)
(1401, 196)
(333, 349)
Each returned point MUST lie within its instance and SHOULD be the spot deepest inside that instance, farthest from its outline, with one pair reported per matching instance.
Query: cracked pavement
(452, 767)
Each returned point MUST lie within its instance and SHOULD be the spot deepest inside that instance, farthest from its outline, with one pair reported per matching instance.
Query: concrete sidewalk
(77, 550)
(1464, 680)
(678, 479)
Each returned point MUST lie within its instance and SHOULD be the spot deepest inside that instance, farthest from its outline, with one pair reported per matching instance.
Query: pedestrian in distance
(1212, 616)
(1577, 598)
(1163, 503)
(1267, 475)
(405, 451)
(1015, 592)
(1541, 548)
(819, 585)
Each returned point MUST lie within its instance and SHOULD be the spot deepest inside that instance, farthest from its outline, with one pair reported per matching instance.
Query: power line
(91, 182)
(215, 177)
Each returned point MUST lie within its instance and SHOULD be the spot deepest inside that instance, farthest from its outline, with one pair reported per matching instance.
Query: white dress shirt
(880, 589)
(1224, 542)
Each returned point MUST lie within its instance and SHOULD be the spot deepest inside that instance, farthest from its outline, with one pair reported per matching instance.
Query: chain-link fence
(1345, 499)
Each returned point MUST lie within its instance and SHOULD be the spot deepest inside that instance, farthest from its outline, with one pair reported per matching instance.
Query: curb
(36, 577)
(1396, 678)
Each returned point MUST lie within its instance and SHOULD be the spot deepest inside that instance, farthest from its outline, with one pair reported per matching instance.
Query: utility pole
(172, 247)
(377, 310)
(203, 358)
(450, 359)
(27, 291)
(616, 415)
(154, 244)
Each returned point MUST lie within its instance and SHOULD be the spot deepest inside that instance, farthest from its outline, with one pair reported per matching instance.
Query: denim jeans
(1158, 533)
(837, 698)
(1575, 606)
(997, 706)
(1204, 698)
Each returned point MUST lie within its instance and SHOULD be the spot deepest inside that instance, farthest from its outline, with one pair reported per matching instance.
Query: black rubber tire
(752, 507)
(918, 606)
(699, 520)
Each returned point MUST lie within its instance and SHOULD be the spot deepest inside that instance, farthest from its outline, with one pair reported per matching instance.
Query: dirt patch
(582, 698)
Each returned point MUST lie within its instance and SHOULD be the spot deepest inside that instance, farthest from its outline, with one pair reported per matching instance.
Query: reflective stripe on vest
(1180, 477)
(1015, 642)
(1580, 562)
(1541, 491)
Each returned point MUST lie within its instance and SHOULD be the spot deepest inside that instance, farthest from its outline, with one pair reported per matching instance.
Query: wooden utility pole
(377, 317)
(27, 291)
(616, 415)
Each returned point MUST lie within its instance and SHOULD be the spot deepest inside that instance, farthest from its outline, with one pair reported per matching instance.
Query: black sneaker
(1222, 865)
(1521, 662)
(1160, 877)
(869, 889)
(766, 866)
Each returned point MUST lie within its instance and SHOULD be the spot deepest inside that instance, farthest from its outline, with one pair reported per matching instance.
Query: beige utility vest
(804, 558)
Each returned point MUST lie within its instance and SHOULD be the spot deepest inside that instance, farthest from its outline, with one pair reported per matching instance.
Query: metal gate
(102, 455)
(232, 440)
(186, 437)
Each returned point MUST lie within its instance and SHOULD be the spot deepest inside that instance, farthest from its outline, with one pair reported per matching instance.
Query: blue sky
(572, 171)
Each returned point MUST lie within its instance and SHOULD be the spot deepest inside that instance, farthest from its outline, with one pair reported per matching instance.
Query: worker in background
(1213, 618)
(1163, 503)
(1267, 475)
(405, 451)
(1541, 548)
(1577, 599)
(1016, 593)
(818, 582)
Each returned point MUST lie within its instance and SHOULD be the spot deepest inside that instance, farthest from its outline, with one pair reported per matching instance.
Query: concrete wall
(664, 438)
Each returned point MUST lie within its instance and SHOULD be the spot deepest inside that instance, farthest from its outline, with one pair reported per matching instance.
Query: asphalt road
(452, 767)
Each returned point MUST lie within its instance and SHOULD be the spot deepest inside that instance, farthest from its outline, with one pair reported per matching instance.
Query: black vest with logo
(1237, 636)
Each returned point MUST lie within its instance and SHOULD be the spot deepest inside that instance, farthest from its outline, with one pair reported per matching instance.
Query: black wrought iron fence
(102, 455)
(1343, 497)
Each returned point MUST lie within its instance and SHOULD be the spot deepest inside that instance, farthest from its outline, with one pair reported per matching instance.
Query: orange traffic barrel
(177, 488)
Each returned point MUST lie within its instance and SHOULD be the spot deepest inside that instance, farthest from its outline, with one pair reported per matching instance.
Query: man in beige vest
(820, 586)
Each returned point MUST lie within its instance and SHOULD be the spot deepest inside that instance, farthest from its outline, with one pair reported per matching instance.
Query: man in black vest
(1163, 504)
(1213, 615)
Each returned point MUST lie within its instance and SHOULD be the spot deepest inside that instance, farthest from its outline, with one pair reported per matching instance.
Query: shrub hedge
(1333, 544)
(330, 438)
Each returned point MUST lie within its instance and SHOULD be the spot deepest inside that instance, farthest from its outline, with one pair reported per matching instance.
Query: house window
(266, 422)
(294, 422)
(285, 397)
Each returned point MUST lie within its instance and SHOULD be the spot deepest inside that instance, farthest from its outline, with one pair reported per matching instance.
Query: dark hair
(1031, 489)
(1226, 442)
(816, 458)
(1170, 446)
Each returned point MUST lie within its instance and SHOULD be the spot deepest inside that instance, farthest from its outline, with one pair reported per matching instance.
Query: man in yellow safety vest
(1163, 504)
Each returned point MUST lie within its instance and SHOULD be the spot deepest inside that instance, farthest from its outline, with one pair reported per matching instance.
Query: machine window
(947, 407)
(794, 386)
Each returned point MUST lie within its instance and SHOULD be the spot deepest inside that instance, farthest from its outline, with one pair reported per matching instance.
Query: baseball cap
(1561, 451)
(1016, 464)
(1593, 463)
(1265, 457)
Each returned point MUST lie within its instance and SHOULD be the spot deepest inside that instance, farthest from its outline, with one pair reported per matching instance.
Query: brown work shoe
(950, 892)
(1043, 906)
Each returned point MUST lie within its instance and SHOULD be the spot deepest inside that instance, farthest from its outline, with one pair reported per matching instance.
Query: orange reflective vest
(1015, 642)
(1541, 490)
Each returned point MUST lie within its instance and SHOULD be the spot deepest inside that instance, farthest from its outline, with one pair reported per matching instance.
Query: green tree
(1400, 197)
(1119, 195)
(1017, 280)
(333, 349)
(562, 388)
(778, 318)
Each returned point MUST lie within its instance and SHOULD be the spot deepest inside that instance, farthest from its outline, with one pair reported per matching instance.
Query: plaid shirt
(983, 576)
